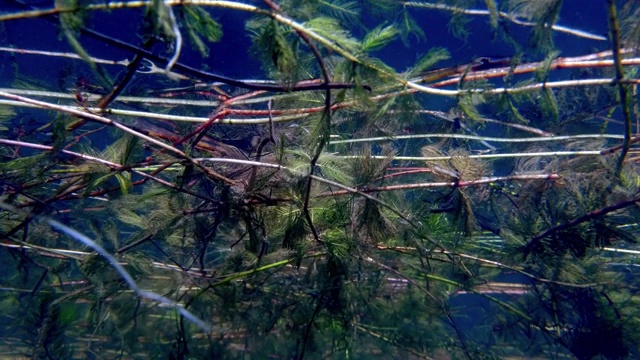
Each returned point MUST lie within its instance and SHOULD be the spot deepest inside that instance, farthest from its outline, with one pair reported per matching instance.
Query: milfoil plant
(323, 201)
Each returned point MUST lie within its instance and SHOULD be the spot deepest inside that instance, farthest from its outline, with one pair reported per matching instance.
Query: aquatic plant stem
(450, 184)
(117, 125)
(511, 17)
(481, 138)
(179, 67)
(484, 156)
(501, 265)
(625, 99)
(323, 220)
(114, 166)
(113, 5)
(528, 247)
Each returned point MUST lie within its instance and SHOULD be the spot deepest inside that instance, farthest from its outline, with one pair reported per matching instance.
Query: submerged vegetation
(332, 206)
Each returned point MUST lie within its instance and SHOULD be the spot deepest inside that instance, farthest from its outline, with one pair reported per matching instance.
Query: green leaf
(379, 37)
(544, 13)
(337, 243)
(543, 72)
(629, 24)
(97, 180)
(458, 25)
(427, 61)
(334, 168)
(276, 48)
(129, 217)
(123, 151)
(124, 179)
(493, 13)
(408, 26)
(346, 11)
(23, 168)
(199, 24)
(331, 29)
(468, 103)
(159, 18)
(70, 22)
(380, 68)
(516, 112)
(7, 113)
(548, 103)
(295, 230)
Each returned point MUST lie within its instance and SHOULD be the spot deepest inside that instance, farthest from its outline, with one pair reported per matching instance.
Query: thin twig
(528, 247)
(511, 17)
(117, 125)
(450, 184)
(625, 99)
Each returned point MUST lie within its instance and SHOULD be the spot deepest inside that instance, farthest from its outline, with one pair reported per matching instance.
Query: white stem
(481, 156)
(481, 138)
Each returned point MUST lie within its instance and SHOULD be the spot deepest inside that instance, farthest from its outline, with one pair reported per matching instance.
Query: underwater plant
(319, 179)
